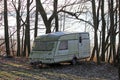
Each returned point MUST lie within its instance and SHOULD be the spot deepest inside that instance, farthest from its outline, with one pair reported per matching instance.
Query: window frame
(63, 45)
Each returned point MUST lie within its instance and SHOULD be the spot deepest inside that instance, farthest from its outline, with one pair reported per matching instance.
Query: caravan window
(63, 45)
(43, 46)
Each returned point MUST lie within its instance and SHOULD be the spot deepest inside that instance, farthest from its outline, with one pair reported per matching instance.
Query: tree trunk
(6, 29)
(27, 31)
(23, 42)
(112, 31)
(95, 23)
(47, 21)
(44, 16)
(103, 31)
(93, 54)
(36, 22)
(96, 47)
(56, 15)
(18, 28)
(119, 45)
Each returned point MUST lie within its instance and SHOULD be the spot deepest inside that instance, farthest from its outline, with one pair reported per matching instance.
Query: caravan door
(84, 45)
(62, 51)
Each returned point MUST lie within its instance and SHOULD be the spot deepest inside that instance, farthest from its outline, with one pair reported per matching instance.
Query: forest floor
(19, 69)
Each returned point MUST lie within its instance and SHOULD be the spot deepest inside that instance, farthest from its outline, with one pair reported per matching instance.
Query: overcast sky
(70, 26)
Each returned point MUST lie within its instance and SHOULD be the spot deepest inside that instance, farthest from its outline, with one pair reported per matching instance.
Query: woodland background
(102, 16)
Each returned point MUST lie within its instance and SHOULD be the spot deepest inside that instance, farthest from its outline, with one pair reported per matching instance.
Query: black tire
(74, 61)
(35, 65)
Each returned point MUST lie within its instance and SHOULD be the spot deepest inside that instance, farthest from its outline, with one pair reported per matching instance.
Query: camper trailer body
(60, 47)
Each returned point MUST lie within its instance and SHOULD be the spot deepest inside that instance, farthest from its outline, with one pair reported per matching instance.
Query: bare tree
(36, 22)
(27, 30)
(103, 31)
(6, 29)
(96, 25)
(56, 15)
(1, 10)
(118, 52)
(18, 21)
(47, 21)
(112, 31)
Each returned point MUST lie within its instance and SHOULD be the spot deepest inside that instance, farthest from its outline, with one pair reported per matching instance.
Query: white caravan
(60, 47)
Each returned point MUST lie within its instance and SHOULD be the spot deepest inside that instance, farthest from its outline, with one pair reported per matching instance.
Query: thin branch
(9, 37)
(77, 17)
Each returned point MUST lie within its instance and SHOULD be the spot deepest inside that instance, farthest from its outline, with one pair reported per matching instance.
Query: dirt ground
(19, 69)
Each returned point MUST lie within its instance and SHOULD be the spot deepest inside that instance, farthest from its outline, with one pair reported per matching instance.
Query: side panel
(73, 48)
(66, 54)
(84, 45)
(61, 51)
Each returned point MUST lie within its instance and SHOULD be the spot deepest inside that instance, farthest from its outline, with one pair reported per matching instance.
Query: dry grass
(19, 69)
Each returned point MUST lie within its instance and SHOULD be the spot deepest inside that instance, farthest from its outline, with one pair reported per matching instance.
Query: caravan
(60, 47)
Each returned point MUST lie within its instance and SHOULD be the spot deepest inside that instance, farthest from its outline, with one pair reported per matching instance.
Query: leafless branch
(77, 17)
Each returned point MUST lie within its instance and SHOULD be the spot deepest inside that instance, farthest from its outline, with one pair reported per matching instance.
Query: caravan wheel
(74, 61)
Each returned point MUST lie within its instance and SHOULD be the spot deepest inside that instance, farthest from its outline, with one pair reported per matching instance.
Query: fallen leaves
(19, 69)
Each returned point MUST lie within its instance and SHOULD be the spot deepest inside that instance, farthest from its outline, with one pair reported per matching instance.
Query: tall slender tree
(118, 52)
(27, 47)
(56, 15)
(103, 31)
(96, 24)
(36, 22)
(18, 21)
(18, 27)
(6, 28)
(112, 31)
